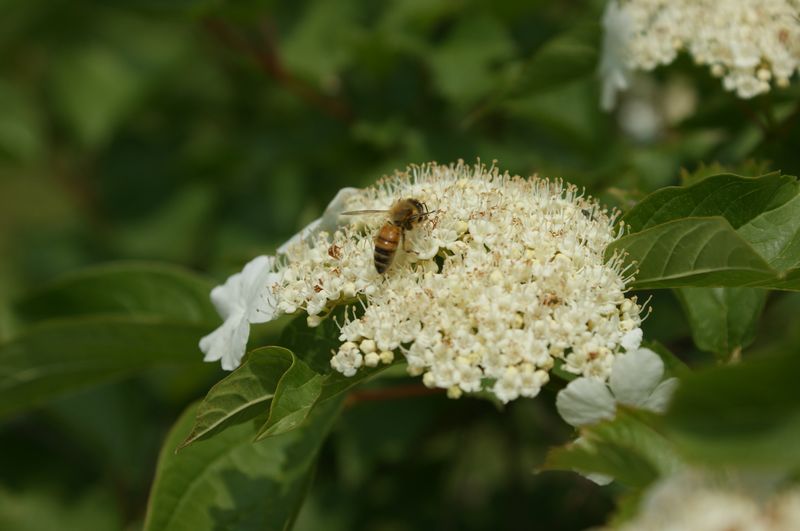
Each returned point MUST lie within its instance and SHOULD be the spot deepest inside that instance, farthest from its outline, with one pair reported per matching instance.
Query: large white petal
(227, 298)
(247, 292)
(585, 401)
(228, 342)
(328, 222)
(658, 401)
(259, 303)
(307, 231)
(632, 339)
(330, 218)
(635, 375)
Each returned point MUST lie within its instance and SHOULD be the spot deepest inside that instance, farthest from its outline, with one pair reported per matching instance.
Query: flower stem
(391, 393)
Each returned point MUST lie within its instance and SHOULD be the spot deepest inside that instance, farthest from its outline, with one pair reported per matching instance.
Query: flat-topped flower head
(750, 44)
(502, 279)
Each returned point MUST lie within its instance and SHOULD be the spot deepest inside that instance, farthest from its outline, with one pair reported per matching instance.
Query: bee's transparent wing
(362, 212)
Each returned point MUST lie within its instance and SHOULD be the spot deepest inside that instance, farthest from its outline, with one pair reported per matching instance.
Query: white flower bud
(454, 392)
(349, 290)
(372, 360)
(367, 346)
(387, 357)
(415, 371)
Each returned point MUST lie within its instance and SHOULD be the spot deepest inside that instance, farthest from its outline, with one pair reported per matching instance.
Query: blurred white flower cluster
(748, 43)
(693, 501)
(507, 276)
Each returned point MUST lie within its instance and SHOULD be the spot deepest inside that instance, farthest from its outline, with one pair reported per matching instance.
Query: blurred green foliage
(205, 132)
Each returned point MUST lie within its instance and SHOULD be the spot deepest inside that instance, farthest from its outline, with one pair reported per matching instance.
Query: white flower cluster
(748, 43)
(506, 276)
(690, 501)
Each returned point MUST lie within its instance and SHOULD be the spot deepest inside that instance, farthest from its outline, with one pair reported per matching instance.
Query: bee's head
(418, 206)
(409, 212)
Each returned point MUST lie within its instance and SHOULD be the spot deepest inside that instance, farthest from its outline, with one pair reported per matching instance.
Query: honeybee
(402, 216)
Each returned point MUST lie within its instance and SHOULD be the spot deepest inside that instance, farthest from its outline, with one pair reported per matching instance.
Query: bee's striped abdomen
(386, 246)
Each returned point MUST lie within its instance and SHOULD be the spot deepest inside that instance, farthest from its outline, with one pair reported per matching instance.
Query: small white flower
(243, 299)
(636, 381)
(348, 359)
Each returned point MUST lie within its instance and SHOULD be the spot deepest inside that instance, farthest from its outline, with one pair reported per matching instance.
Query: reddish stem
(265, 54)
(390, 393)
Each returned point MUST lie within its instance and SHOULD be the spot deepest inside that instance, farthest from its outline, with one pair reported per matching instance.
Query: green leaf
(113, 426)
(789, 280)
(565, 58)
(21, 132)
(181, 7)
(62, 356)
(723, 231)
(301, 391)
(622, 464)
(723, 320)
(230, 482)
(692, 252)
(775, 235)
(319, 46)
(98, 81)
(704, 170)
(625, 448)
(297, 394)
(737, 199)
(463, 67)
(746, 414)
(115, 319)
(35, 509)
(140, 289)
(313, 345)
(243, 394)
